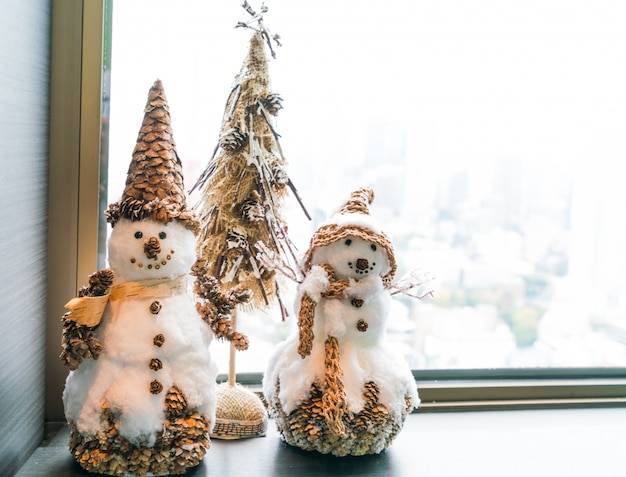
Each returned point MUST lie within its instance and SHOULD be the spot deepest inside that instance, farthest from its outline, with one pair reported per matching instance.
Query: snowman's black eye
(162, 235)
(373, 247)
(348, 242)
(138, 235)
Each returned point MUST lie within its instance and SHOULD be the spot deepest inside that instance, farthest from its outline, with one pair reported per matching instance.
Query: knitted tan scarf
(334, 397)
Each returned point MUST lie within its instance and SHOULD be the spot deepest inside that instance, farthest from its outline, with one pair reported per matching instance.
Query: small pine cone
(232, 139)
(199, 268)
(239, 295)
(113, 214)
(205, 285)
(222, 327)
(152, 247)
(175, 402)
(239, 341)
(207, 311)
(100, 282)
(273, 103)
(279, 176)
(252, 211)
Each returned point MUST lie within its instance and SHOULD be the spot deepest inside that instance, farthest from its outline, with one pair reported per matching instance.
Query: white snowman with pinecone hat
(339, 386)
(140, 396)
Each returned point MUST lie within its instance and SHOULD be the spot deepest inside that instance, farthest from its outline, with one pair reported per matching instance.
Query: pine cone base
(182, 444)
(368, 432)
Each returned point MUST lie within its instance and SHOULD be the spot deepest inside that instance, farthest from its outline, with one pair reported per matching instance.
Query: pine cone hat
(353, 219)
(154, 185)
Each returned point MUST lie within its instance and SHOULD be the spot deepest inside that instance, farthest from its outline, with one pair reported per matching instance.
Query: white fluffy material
(296, 374)
(361, 220)
(315, 283)
(381, 363)
(334, 324)
(121, 376)
(369, 286)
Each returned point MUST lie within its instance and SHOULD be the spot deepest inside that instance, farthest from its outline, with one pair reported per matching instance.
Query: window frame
(74, 209)
(440, 390)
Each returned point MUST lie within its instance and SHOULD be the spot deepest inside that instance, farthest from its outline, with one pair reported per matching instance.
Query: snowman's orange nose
(152, 247)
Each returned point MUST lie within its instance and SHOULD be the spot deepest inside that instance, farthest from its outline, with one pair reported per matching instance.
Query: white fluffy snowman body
(151, 334)
(358, 321)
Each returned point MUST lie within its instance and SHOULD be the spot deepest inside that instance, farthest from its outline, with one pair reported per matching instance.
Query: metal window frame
(499, 389)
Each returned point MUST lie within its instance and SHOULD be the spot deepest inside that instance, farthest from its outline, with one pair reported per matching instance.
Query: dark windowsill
(563, 442)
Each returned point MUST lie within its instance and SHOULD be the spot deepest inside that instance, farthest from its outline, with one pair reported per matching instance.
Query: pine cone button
(155, 307)
(159, 340)
(357, 302)
(156, 387)
(361, 325)
(156, 364)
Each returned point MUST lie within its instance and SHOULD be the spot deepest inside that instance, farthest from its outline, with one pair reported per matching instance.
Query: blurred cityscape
(527, 263)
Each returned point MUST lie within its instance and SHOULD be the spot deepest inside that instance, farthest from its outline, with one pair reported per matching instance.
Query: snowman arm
(222, 325)
(78, 343)
(316, 282)
(415, 284)
(215, 306)
(78, 340)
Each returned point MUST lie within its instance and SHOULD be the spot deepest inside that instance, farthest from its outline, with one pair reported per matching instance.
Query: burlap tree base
(240, 413)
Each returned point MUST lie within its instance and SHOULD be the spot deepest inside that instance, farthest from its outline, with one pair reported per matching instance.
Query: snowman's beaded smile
(361, 266)
(150, 266)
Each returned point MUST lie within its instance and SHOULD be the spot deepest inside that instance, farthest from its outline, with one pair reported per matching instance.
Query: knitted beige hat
(154, 185)
(353, 219)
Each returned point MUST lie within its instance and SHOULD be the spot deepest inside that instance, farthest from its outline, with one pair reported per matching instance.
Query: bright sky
(470, 81)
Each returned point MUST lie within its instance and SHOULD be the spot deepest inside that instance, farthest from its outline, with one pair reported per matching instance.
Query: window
(489, 131)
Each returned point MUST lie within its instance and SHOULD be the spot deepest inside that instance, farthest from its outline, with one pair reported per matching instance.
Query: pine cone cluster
(207, 287)
(215, 305)
(368, 432)
(154, 184)
(182, 444)
(78, 343)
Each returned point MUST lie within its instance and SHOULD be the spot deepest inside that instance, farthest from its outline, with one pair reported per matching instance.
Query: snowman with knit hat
(338, 386)
(140, 396)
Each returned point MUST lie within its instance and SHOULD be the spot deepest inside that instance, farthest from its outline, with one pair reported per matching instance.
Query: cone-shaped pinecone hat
(353, 219)
(154, 185)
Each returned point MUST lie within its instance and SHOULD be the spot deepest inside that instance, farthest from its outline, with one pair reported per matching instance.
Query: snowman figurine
(337, 386)
(140, 396)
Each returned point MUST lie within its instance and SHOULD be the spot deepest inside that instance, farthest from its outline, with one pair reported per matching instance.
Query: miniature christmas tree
(243, 186)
